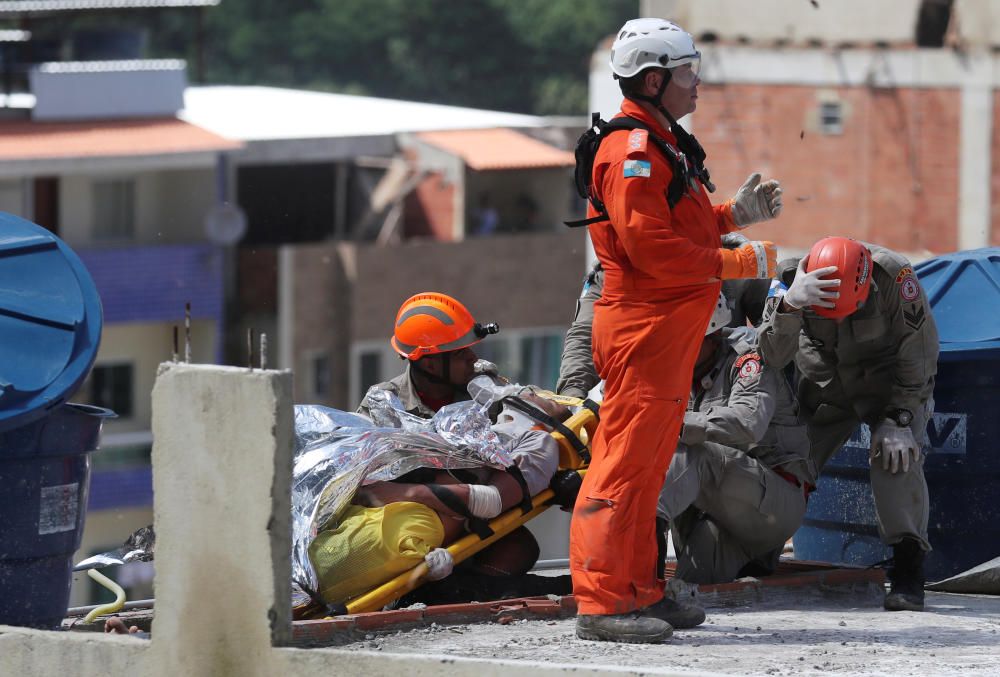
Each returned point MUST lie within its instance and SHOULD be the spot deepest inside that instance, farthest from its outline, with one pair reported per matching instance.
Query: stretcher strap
(518, 476)
(593, 406)
(477, 525)
(540, 416)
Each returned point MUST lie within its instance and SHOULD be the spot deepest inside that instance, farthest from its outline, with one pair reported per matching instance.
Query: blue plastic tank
(44, 482)
(963, 467)
(50, 322)
(50, 328)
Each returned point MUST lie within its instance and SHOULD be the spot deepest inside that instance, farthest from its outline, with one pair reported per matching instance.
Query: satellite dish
(225, 224)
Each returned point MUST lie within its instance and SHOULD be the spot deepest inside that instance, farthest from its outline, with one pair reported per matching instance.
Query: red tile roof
(482, 149)
(29, 140)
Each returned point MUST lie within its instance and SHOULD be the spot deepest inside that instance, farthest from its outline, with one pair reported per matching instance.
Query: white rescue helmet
(652, 43)
(721, 316)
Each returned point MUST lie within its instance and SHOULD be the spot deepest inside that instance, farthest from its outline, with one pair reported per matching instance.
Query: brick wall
(354, 291)
(322, 317)
(519, 281)
(257, 279)
(890, 177)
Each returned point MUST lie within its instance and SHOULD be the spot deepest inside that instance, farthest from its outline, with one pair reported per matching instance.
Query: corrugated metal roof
(36, 6)
(482, 149)
(28, 140)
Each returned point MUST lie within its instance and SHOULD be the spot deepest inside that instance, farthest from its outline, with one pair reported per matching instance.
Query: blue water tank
(44, 482)
(50, 322)
(50, 328)
(963, 467)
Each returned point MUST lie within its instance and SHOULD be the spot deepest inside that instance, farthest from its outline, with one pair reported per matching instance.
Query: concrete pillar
(222, 459)
(974, 159)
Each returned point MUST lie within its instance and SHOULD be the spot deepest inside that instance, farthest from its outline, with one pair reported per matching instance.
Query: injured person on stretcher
(390, 526)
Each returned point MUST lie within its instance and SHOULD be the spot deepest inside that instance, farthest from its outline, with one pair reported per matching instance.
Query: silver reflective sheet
(337, 452)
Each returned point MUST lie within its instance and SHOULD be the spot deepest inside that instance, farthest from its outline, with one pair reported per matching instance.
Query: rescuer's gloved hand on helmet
(734, 240)
(439, 564)
(756, 259)
(895, 444)
(810, 289)
(755, 201)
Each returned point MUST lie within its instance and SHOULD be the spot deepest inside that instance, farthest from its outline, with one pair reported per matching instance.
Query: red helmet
(430, 323)
(854, 268)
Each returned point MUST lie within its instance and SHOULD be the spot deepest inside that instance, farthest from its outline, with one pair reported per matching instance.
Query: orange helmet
(854, 268)
(431, 323)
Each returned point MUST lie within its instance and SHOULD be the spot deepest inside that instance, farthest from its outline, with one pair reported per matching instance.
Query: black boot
(906, 577)
(630, 628)
(678, 614)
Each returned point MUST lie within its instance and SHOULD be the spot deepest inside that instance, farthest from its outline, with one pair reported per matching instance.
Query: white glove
(439, 564)
(895, 443)
(734, 240)
(755, 201)
(808, 289)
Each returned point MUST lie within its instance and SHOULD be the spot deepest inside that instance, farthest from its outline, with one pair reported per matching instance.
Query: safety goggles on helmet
(686, 75)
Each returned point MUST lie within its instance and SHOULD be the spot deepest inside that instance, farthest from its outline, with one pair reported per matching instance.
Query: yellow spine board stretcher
(583, 424)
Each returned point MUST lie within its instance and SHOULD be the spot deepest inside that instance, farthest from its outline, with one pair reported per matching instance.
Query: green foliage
(528, 56)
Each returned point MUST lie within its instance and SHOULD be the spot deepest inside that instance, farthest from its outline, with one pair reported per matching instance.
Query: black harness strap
(543, 418)
(477, 525)
(593, 406)
(518, 476)
(586, 151)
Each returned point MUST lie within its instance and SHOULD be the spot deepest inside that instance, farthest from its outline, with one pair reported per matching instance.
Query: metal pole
(187, 332)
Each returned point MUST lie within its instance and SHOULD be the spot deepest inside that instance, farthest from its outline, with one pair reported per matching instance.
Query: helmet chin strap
(657, 99)
(434, 378)
(685, 141)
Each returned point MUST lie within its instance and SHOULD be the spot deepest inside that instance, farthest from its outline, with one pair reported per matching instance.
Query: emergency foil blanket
(337, 452)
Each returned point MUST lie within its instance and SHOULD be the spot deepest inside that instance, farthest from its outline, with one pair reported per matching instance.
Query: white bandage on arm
(484, 501)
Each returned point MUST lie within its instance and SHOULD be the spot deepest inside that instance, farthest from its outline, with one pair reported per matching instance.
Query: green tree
(528, 56)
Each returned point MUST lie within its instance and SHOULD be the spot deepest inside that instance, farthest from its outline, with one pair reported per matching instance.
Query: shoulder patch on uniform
(637, 140)
(747, 366)
(909, 289)
(903, 273)
(636, 168)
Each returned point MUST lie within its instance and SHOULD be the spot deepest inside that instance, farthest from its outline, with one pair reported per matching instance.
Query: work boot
(906, 577)
(630, 628)
(678, 614)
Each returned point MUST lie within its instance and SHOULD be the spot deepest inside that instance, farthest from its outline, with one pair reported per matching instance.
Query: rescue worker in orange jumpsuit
(658, 238)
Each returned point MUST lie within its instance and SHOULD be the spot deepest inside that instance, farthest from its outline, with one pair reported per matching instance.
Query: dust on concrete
(956, 635)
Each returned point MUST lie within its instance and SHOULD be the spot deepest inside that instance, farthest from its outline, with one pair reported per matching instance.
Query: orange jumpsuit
(662, 271)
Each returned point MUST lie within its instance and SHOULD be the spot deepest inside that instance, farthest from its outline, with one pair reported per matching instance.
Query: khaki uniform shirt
(402, 386)
(747, 404)
(884, 356)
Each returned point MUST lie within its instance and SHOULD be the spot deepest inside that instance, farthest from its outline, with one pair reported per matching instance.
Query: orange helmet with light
(854, 269)
(431, 323)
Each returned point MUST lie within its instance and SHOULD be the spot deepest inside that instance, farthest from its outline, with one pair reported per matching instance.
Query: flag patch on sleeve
(636, 168)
